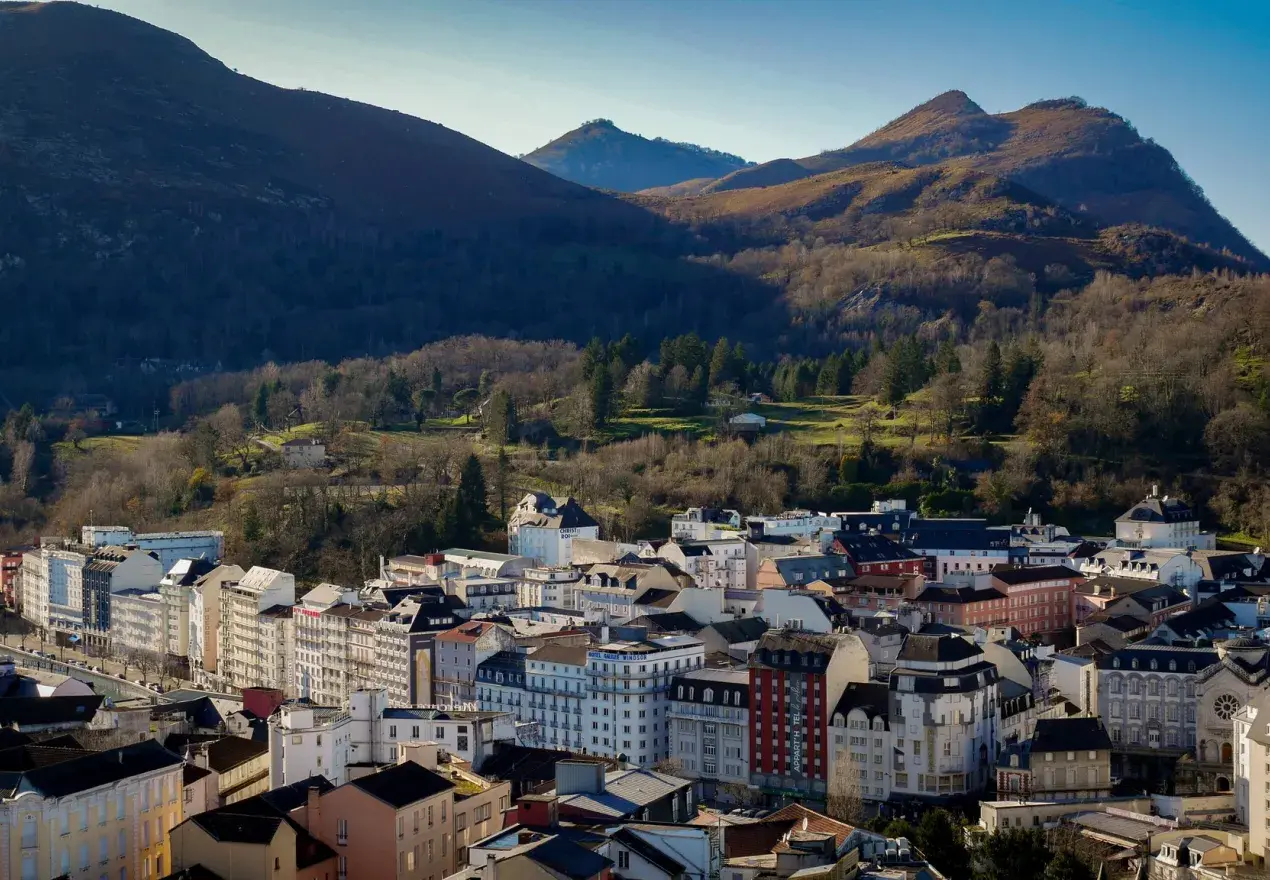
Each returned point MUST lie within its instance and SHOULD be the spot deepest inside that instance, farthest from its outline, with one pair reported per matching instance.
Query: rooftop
(403, 784)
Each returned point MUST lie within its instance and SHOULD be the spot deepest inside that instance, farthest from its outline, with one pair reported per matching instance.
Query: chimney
(491, 867)
(313, 810)
(1155, 490)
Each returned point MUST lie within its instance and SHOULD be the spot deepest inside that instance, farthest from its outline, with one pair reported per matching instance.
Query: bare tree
(844, 800)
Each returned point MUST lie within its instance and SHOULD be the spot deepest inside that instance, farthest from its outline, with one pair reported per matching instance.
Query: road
(110, 665)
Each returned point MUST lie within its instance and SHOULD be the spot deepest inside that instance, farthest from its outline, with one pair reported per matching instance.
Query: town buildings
(304, 452)
(322, 665)
(108, 571)
(874, 554)
(792, 524)
(1065, 759)
(1039, 598)
(719, 563)
(959, 548)
(943, 714)
(138, 622)
(1161, 521)
(705, 523)
(205, 621)
(708, 723)
(168, 546)
(256, 632)
(860, 754)
(557, 689)
(544, 528)
(459, 652)
(176, 588)
(796, 680)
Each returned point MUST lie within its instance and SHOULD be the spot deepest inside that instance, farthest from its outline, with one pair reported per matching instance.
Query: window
(341, 832)
(401, 827)
(623, 859)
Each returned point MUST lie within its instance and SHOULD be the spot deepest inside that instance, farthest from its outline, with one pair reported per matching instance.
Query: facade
(304, 452)
(796, 680)
(138, 623)
(792, 524)
(964, 606)
(250, 840)
(871, 553)
(77, 813)
(548, 588)
(1161, 521)
(705, 523)
(556, 686)
(1141, 598)
(109, 571)
(481, 594)
(709, 728)
(861, 753)
(544, 528)
(719, 563)
(959, 548)
(1040, 598)
(628, 694)
(252, 632)
(10, 571)
(168, 546)
(1237, 679)
(321, 666)
(404, 647)
(1066, 759)
(1252, 775)
(458, 654)
(799, 571)
(943, 714)
(177, 588)
(204, 615)
(1173, 567)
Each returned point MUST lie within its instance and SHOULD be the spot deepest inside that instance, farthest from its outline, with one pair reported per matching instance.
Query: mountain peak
(951, 103)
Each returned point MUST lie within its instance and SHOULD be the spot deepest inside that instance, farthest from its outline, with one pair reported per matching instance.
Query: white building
(556, 684)
(1176, 568)
(304, 452)
(168, 546)
(479, 563)
(306, 740)
(204, 615)
(548, 588)
(628, 699)
(482, 594)
(177, 588)
(705, 523)
(709, 726)
(943, 714)
(719, 564)
(545, 527)
(793, 523)
(1161, 521)
(323, 645)
(860, 751)
(1252, 775)
(256, 633)
(1145, 695)
(137, 621)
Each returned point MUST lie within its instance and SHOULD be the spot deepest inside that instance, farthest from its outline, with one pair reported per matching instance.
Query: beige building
(256, 632)
(251, 840)
(304, 452)
(205, 620)
(85, 814)
(1066, 759)
(323, 644)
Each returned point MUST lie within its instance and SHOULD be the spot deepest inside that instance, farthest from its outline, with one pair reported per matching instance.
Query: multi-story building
(323, 644)
(796, 679)
(544, 528)
(548, 588)
(205, 622)
(10, 572)
(363, 647)
(1066, 759)
(1161, 521)
(860, 757)
(168, 546)
(307, 740)
(870, 553)
(964, 606)
(792, 524)
(1144, 599)
(500, 687)
(1240, 674)
(960, 548)
(256, 629)
(943, 715)
(628, 693)
(176, 587)
(254, 839)
(705, 523)
(108, 572)
(719, 563)
(482, 594)
(557, 694)
(458, 653)
(404, 647)
(137, 622)
(74, 813)
(1252, 772)
(1040, 598)
(792, 572)
(709, 726)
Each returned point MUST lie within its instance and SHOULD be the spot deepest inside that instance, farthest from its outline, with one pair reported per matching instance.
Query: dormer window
(1172, 666)
(1116, 663)
(1154, 664)
(1134, 664)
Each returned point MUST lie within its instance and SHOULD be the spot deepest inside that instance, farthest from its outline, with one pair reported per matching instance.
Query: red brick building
(875, 554)
(10, 569)
(1040, 598)
(796, 679)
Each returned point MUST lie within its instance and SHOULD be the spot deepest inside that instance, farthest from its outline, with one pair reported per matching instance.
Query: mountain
(1085, 159)
(156, 204)
(601, 155)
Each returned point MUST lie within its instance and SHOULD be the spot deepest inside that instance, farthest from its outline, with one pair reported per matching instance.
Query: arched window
(681, 692)
(725, 697)
(691, 693)
(708, 695)
(1116, 663)
(1134, 663)
(1173, 667)
(1154, 664)
(1172, 687)
(1190, 665)
(839, 721)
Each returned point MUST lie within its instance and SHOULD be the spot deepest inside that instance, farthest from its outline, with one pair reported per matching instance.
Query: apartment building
(256, 632)
(482, 594)
(459, 652)
(10, 572)
(404, 647)
(796, 678)
(363, 648)
(1161, 521)
(108, 572)
(323, 644)
(176, 587)
(629, 692)
(943, 715)
(205, 621)
(548, 588)
(860, 754)
(1066, 759)
(556, 685)
(705, 523)
(1040, 599)
(253, 839)
(718, 563)
(137, 622)
(709, 726)
(52, 594)
(1145, 695)
(70, 812)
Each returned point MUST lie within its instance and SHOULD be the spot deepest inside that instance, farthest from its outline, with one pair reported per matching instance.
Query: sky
(770, 79)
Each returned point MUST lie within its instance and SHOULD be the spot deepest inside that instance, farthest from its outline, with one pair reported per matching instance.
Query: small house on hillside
(304, 452)
(747, 422)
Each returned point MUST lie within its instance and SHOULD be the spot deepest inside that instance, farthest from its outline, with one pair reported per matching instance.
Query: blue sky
(771, 79)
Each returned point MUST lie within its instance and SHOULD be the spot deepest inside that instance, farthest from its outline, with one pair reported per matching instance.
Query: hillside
(155, 204)
(601, 155)
(1085, 159)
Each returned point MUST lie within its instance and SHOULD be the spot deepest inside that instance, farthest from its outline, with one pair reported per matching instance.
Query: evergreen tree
(942, 841)
(699, 387)
(1066, 865)
(601, 395)
(625, 350)
(436, 383)
(504, 471)
(721, 364)
(592, 357)
(471, 511)
(846, 365)
(485, 384)
(827, 381)
(946, 359)
(1014, 853)
(260, 406)
(500, 418)
(740, 366)
(991, 380)
(1021, 365)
